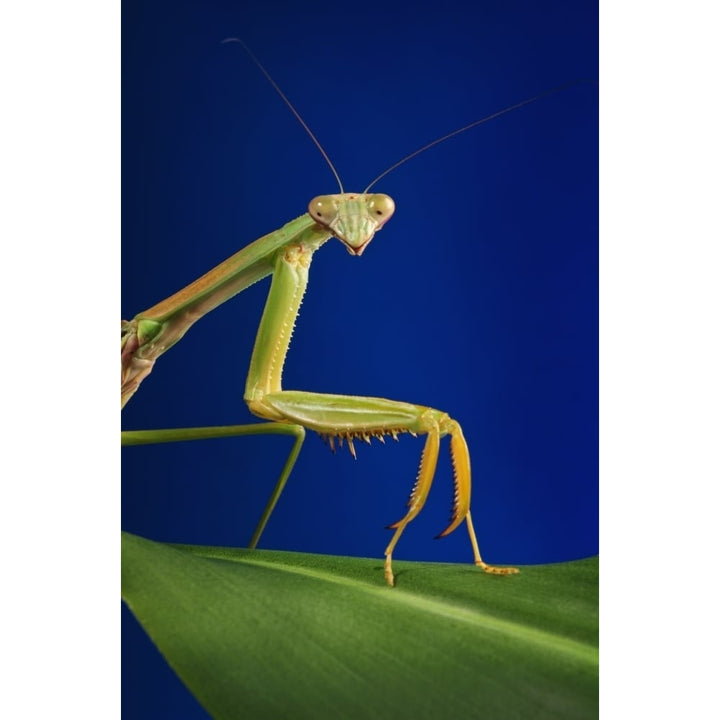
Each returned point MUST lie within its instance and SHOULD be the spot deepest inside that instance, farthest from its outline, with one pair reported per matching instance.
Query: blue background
(480, 296)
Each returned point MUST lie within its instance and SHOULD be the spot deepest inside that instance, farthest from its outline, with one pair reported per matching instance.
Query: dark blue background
(480, 297)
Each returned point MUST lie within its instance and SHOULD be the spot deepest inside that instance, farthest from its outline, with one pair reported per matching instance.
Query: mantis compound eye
(381, 207)
(323, 209)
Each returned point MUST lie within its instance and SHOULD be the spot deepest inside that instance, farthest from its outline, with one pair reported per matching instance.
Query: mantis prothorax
(286, 254)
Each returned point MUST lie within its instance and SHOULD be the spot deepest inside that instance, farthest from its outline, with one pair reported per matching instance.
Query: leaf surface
(264, 634)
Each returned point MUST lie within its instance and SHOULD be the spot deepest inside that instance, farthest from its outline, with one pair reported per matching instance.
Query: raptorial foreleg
(348, 417)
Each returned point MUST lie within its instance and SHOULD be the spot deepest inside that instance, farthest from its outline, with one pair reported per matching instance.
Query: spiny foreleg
(347, 417)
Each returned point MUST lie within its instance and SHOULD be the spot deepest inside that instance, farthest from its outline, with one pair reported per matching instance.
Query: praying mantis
(286, 255)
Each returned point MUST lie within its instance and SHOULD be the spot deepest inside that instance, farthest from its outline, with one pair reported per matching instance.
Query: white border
(659, 359)
(59, 260)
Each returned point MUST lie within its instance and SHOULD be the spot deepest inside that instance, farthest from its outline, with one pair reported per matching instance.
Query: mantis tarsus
(286, 254)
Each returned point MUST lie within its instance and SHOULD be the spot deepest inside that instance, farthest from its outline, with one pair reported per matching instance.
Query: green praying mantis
(286, 255)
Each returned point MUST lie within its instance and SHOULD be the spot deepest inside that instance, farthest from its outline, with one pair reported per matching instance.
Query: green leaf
(262, 634)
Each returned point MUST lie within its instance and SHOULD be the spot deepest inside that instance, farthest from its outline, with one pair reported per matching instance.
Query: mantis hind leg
(151, 437)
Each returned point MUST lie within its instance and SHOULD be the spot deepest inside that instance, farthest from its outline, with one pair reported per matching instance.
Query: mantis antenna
(290, 105)
(472, 125)
(417, 152)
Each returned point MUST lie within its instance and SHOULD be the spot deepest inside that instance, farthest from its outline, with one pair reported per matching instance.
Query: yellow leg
(476, 551)
(417, 497)
(461, 507)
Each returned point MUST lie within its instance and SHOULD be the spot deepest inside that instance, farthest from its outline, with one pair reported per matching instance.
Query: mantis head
(353, 218)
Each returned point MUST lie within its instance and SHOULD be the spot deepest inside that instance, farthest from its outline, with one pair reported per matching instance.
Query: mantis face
(352, 218)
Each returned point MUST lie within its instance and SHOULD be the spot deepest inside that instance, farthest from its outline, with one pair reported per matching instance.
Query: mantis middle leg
(152, 437)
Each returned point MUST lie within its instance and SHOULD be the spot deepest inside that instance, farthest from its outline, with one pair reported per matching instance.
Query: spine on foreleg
(287, 289)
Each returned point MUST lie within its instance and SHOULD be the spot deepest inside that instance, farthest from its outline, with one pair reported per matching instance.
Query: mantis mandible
(286, 254)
